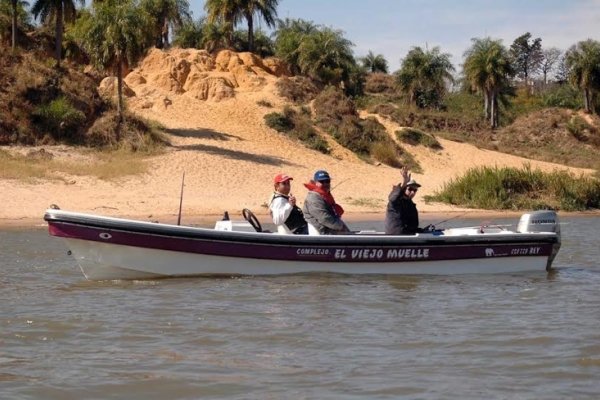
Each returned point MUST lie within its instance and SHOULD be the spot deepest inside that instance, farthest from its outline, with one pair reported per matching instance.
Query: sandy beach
(229, 157)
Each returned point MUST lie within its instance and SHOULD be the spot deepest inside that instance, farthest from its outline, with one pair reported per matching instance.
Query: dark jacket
(321, 215)
(401, 216)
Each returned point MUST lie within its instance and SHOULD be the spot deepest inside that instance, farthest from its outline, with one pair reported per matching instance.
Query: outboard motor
(542, 221)
(539, 221)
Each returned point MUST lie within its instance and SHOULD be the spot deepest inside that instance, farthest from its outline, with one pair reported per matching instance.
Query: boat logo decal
(105, 235)
(489, 252)
(378, 254)
(312, 252)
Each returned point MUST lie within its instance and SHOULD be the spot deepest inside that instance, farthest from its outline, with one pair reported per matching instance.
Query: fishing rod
(342, 181)
(181, 199)
(449, 219)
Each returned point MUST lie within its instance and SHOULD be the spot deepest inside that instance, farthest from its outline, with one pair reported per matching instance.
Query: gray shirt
(321, 215)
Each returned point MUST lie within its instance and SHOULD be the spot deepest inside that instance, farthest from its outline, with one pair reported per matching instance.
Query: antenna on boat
(181, 199)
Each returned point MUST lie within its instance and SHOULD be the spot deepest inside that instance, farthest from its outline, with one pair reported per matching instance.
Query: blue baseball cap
(321, 175)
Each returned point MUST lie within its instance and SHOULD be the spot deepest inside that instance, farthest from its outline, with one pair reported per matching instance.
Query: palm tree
(115, 33)
(267, 9)
(326, 56)
(60, 11)
(583, 63)
(166, 14)
(375, 63)
(288, 36)
(487, 69)
(424, 76)
(225, 12)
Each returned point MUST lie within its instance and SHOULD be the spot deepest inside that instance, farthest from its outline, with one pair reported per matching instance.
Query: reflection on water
(529, 335)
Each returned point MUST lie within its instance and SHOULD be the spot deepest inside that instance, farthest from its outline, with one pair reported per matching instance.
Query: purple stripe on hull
(302, 252)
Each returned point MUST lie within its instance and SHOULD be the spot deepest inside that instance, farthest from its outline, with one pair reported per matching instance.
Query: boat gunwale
(378, 240)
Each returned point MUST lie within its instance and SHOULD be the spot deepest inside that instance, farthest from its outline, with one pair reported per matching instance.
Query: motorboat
(108, 248)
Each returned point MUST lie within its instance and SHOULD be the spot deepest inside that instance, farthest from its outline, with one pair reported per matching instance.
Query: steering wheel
(252, 220)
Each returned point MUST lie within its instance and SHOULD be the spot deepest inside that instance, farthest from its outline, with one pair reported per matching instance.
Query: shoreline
(208, 219)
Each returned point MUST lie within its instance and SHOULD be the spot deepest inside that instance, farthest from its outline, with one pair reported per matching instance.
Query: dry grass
(107, 166)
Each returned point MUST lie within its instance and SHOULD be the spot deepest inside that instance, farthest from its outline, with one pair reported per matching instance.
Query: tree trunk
(486, 103)
(586, 100)
(59, 33)
(165, 34)
(493, 110)
(250, 32)
(14, 24)
(119, 96)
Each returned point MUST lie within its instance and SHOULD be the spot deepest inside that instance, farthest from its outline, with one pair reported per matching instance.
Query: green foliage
(190, 34)
(564, 96)
(299, 127)
(527, 55)
(424, 76)
(23, 19)
(389, 155)
(583, 63)
(288, 36)
(320, 53)
(298, 89)
(61, 11)
(578, 127)
(59, 117)
(417, 137)
(517, 189)
(380, 83)
(132, 134)
(306, 133)
(263, 45)
(488, 70)
(374, 63)
(280, 122)
(115, 32)
(165, 16)
(336, 113)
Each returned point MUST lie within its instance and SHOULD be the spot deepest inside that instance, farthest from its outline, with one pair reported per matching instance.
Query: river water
(521, 336)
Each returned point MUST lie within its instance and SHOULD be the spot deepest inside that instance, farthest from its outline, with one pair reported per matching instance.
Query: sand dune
(230, 156)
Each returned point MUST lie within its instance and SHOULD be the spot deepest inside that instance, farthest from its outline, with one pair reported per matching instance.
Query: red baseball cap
(282, 178)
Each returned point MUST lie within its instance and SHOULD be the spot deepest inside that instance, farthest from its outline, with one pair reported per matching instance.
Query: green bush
(136, 135)
(298, 89)
(332, 104)
(386, 154)
(564, 96)
(297, 126)
(577, 127)
(511, 188)
(306, 133)
(59, 118)
(417, 137)
(264, 103)
(279, 122)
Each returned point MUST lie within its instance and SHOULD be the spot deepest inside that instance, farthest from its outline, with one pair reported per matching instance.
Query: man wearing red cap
(286, 215)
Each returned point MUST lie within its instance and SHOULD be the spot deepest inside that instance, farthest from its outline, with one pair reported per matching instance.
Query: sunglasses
(326, 181)
(411, 189)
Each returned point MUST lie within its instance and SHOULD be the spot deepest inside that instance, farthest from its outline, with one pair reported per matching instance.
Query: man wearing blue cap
(323, 215)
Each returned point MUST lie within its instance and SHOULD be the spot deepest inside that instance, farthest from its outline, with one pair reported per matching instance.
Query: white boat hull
(100, 261)
(112, 248)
